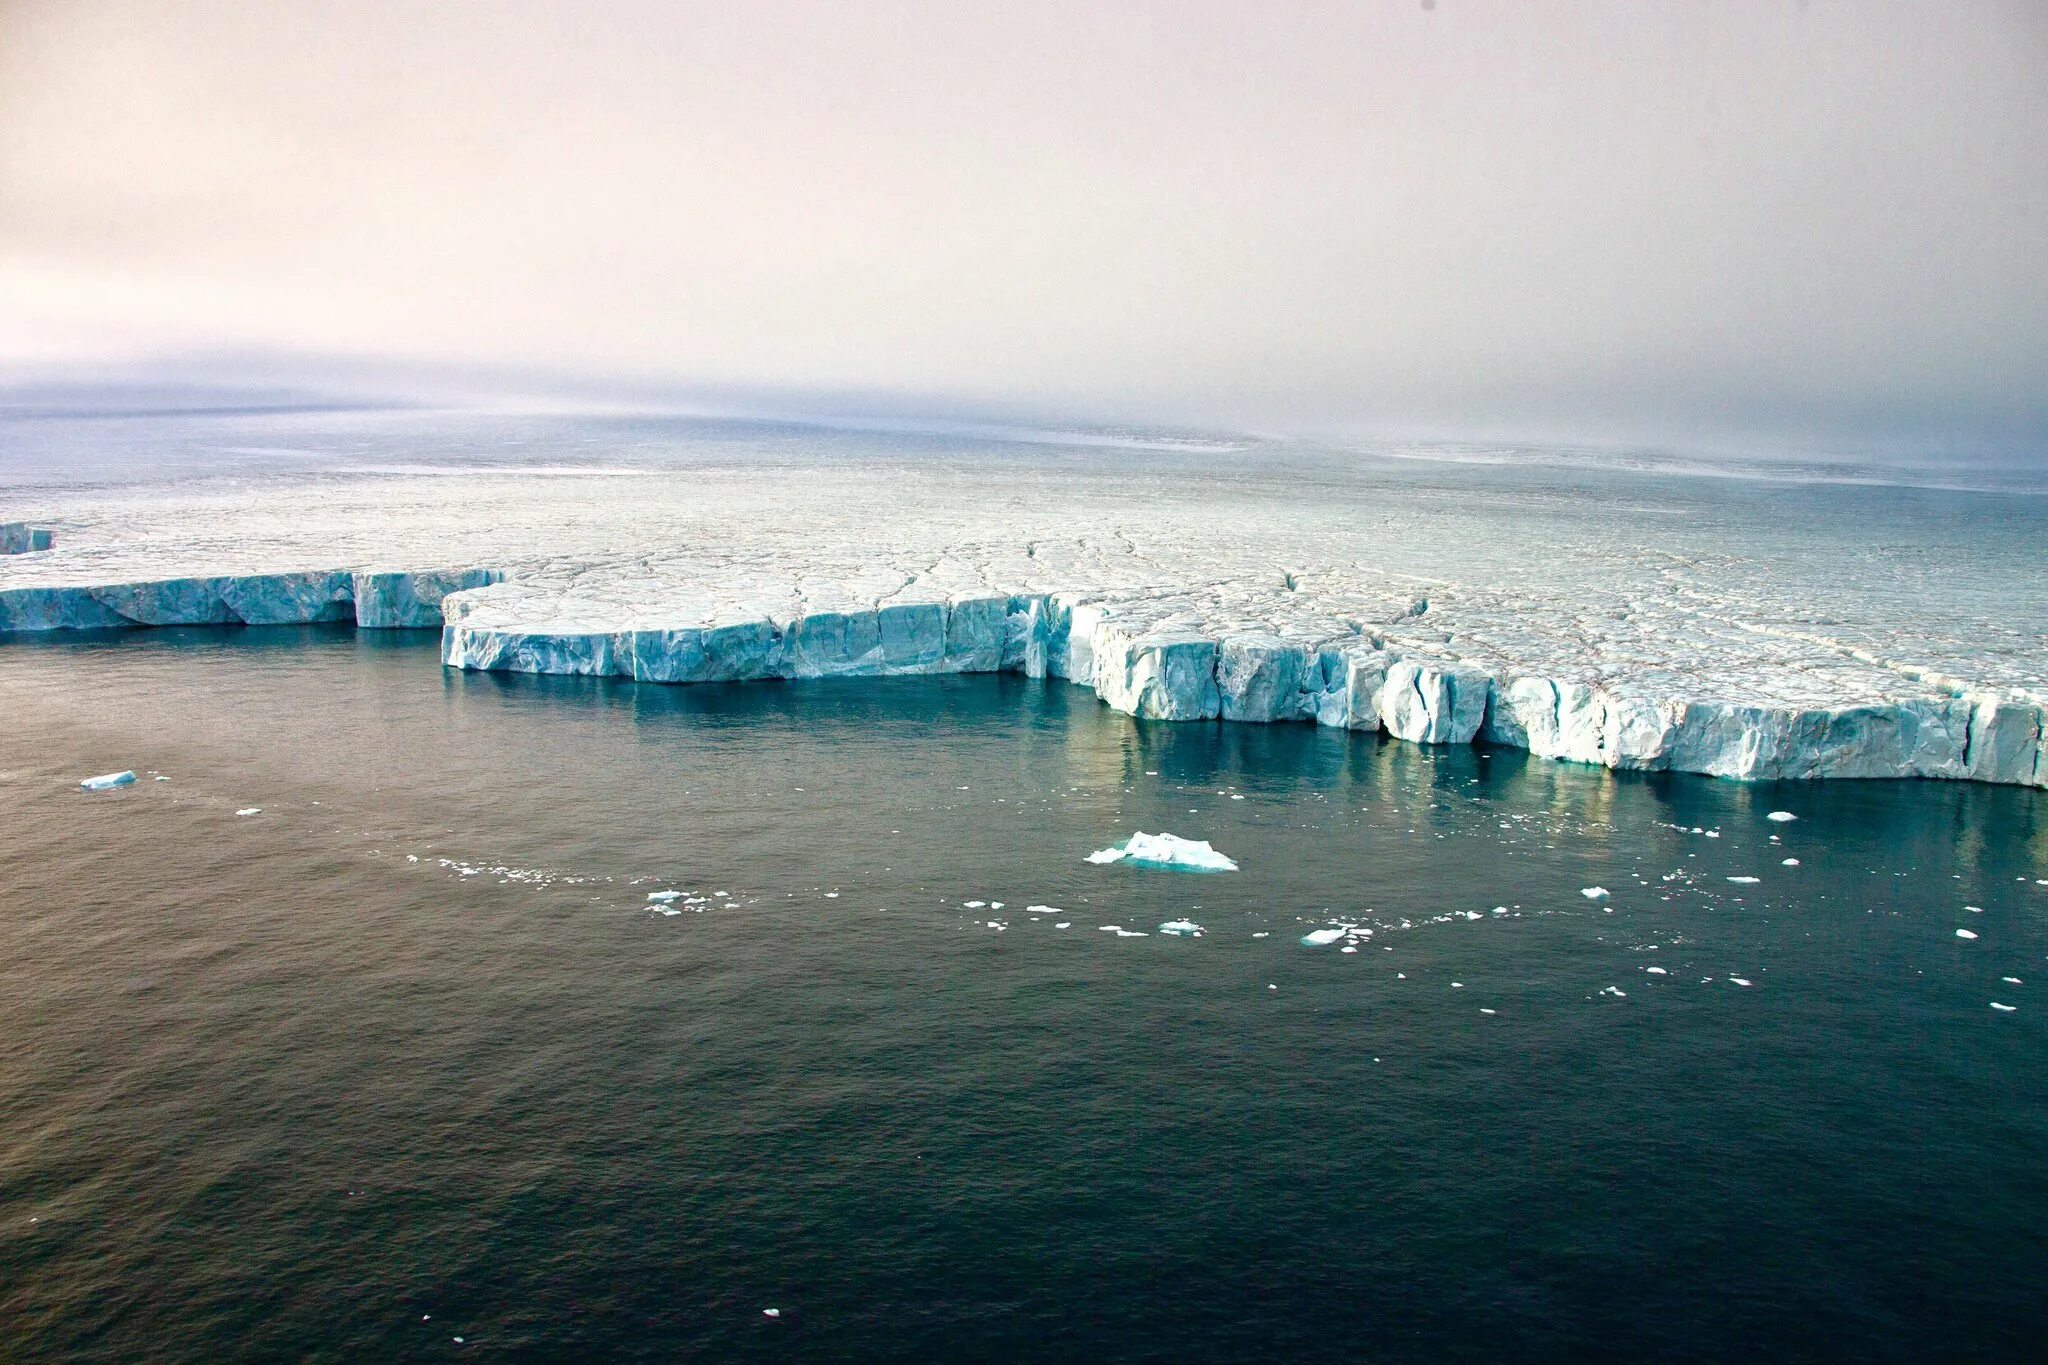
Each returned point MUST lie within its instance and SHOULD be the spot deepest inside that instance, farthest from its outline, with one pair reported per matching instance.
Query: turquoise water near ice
(407, 1055)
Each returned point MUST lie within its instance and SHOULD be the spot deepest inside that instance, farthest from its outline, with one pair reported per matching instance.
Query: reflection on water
(410, 1054)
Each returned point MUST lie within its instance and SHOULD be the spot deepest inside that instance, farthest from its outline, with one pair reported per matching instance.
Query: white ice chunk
(664, 895)
(250, 810)
(107, 781)
(1166, 851)
(1745, 881)
(1783, 817)
(1964, 933)
(1322, 938)
(2004, 1009)
(1593, 893)
(1184, 928)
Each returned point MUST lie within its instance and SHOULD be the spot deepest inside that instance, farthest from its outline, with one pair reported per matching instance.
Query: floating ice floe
(1789, 862)
(107, 781)
(2012, 981)
(975, 905)
(1745, 881)
(250, 810)
(1122, 932)
(1322, 938)
(1181, 928)
(1783, 817)
(1741, 980)
(2004, 1009)
(1593, 893)
(1965, 933)
(664, 895)
(1165, 851)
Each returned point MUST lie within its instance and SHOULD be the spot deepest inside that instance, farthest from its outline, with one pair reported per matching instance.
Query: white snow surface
(1255, 592)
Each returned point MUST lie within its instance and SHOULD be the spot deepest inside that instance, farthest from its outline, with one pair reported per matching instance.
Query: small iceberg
(1783, 817)
(664, 895)
(1322, 938)
(1165, 850)
(1965, 933)
(1181, 928)
(1593, 893)
(109, 781)
(258, 810)
(1745, 881)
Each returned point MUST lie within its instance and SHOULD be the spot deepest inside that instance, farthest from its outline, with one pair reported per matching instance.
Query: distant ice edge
(376, 598)
(1135, 663)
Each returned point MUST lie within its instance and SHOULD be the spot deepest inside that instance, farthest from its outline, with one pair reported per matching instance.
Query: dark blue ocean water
(405, 1055)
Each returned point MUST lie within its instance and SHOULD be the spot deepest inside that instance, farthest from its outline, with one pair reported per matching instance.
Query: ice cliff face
(1422, 620)
(20, 538)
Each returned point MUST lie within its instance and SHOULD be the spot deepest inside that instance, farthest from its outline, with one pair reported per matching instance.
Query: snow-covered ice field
(1616, 616)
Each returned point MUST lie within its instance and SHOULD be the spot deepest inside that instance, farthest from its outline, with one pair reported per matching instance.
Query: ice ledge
(369, 597)
(1163, 670)
(1138, 657)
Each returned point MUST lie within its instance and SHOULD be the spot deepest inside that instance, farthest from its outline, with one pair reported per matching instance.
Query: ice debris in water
(1165, 850)
(1741, 980)
(664, 895)
(1790, 862)
(974, 905)
(2006, 1009)
(1783, 817)
(2011, 980)
(1322, 938)
(1122, 932)
(1745, 881)
(1593, 893)
(1181, 928)
(107, 781)
(250, 810)
(1965, 933)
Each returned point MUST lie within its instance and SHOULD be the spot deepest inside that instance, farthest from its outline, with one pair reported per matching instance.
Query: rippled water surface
(359, 1034)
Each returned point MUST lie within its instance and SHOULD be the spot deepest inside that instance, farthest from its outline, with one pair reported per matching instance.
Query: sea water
(363, 1023)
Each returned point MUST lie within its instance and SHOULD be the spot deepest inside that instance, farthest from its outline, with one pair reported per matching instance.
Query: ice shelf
(1234, 605)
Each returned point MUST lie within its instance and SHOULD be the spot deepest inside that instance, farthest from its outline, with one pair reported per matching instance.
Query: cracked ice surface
(1648, 624)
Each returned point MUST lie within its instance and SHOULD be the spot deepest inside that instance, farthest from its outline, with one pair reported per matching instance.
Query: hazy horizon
(1766, 226)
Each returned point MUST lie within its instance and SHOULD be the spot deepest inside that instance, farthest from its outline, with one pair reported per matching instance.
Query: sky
(1749, 220)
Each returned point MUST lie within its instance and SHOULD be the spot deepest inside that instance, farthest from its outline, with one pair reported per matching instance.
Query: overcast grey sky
(1826, 220)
